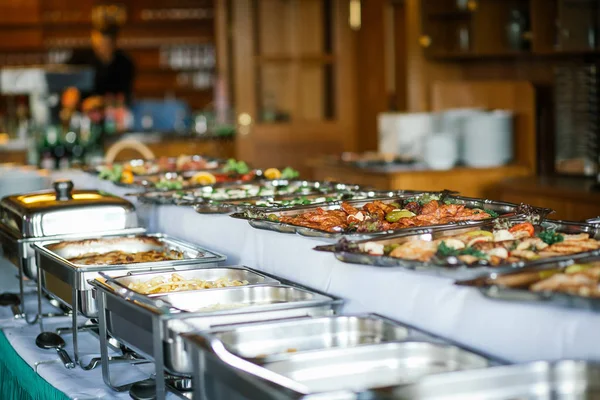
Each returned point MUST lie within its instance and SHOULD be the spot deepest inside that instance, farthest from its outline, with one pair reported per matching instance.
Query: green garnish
(237, 167)
(112, 174)
(492, 213)
(451, 201)
(423, 199)
(273, 218)
(289, 173)
(550, 237)
(387, 249)
(444, 250)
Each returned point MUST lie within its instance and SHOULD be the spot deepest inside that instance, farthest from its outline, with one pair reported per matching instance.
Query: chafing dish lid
(65, 211)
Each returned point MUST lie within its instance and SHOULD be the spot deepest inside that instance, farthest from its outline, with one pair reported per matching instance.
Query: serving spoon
(50, 340)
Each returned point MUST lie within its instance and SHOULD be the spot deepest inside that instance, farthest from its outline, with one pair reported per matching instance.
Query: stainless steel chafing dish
(58, 214)
(68, 282)
(563, 380)
(343, 357)
(151, 325)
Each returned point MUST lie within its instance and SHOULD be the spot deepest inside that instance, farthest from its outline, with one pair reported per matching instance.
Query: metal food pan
(514, 286)
(241, 190)
(260, 219)
(63, 278)
(267, 342)
(348, 251)
(362, 368)
(563, 380)
(342, 373)
(205, 274)
(136, 321)
(275, 202)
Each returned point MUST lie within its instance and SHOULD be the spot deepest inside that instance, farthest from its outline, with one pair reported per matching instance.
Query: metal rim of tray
(261, 222)
(156, 196)
(454, 270)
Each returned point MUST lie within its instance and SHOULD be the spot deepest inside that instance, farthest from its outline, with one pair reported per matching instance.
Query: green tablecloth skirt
(18, 381)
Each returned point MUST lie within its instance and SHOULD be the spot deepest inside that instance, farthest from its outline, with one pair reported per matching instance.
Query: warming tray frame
(75, 277)
(210, 353)
(458, 271)
(566, 379)
(20, 251)
(160, 316)
(508, 210)
(525, 296)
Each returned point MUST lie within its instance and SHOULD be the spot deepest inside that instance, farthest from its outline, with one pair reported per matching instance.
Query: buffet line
(226, 332)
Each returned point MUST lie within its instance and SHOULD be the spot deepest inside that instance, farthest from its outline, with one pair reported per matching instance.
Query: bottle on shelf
(110, 125)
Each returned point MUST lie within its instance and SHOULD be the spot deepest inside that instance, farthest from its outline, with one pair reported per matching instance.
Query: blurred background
(489, 97)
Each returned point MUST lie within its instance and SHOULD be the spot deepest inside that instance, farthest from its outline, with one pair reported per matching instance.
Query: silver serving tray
(363, 368)
(241, 190)
(563, 380)
(458, 270)
(62, 278)
(205, 274)
(276, 202)
(340, 373)
(265, 342)
(220, 163)
(268, 342)
(495, 286)
(130, 317)
(259, 219)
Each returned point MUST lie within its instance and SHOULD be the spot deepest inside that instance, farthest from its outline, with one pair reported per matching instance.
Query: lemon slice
(572, 269)
(480, 233)
(548, 274)
(204, 178)
(272, 173)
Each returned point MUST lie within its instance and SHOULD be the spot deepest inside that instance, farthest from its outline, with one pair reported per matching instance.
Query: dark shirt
(115, 77)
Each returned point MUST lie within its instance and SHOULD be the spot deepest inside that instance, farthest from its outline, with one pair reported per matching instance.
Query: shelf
(283, 58)
(449, 15)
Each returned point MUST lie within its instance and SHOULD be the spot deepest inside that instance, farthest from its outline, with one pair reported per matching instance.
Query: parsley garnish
(447, 251)
(492, 213)
(550, 237)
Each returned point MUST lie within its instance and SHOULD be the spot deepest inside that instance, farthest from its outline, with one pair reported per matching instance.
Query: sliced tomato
(525, 226)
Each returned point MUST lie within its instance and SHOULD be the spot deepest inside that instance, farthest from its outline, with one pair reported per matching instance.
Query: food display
(471, 251)
(187, 172)
(122, 257)
(259, 190)
(177, 283)
(374, 217)
(580, 279)
(514, 244)
(161, 165)
(114, 251)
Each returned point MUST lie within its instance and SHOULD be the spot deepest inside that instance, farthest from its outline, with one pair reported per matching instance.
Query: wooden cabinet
(475, 28)
(572, 199)
(293, 80)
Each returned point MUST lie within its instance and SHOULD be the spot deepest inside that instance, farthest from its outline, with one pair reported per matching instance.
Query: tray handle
(128, 294)
(499, 293)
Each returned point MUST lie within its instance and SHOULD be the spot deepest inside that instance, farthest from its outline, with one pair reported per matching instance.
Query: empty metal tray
(268, 342)
(533, 381)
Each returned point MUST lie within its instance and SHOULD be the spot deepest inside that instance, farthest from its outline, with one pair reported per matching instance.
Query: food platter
(447, 262)
(361, 219)
(214, 195)
(140, 167)
(568, 283)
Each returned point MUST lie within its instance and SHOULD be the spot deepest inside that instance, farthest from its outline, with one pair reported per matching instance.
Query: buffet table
(514, 332)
